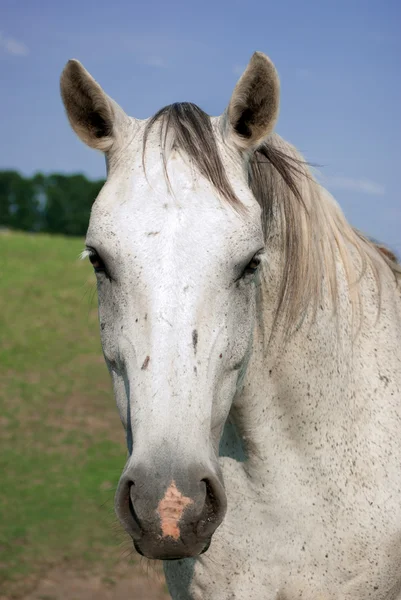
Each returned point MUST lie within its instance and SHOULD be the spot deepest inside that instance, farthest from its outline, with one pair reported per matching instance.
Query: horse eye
(252, 267)
(96, 262)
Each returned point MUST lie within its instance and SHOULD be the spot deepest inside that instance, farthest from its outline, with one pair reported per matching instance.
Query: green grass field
(61, 441)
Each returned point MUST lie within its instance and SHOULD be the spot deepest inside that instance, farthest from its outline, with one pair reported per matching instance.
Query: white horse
(253, 340)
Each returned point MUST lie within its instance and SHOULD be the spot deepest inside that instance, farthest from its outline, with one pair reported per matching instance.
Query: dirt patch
(128, 582)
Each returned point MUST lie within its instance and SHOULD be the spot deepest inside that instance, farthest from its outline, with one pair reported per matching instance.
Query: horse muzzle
(170, 513)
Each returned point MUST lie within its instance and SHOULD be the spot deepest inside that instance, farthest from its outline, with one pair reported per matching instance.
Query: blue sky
(339, 64)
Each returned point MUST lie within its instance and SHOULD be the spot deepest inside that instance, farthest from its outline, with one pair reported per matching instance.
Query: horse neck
(303, 399)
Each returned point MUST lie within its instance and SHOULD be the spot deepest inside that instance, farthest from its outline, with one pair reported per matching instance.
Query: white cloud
(355, 185)
(11, 46)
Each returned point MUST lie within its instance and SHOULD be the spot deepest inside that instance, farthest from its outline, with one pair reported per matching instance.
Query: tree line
(54, 203)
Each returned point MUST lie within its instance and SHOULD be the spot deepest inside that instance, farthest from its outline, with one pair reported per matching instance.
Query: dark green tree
(55, 203)
(19, 207)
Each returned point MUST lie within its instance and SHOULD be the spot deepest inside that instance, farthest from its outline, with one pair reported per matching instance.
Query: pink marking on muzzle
(170, 510)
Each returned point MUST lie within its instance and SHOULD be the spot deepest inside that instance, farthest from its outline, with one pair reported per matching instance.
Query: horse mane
(315, 234)
(314, 230)
(386, 251)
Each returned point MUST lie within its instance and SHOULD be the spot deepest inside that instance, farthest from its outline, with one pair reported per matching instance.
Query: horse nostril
(214, 508)
(131, 508)
(125, 508)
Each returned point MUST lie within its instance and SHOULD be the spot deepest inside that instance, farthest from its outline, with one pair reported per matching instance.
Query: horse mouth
(172, 556)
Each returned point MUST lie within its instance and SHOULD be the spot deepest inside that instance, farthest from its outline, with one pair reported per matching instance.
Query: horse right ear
(254, 105)
(95, 118)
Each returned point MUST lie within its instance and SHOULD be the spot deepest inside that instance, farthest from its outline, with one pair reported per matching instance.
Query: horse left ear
(254, 105)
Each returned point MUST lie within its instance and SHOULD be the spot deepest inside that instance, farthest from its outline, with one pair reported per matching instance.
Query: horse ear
(254, 104)
(95, 117)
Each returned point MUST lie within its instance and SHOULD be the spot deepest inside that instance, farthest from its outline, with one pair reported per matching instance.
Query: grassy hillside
(61, 441)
